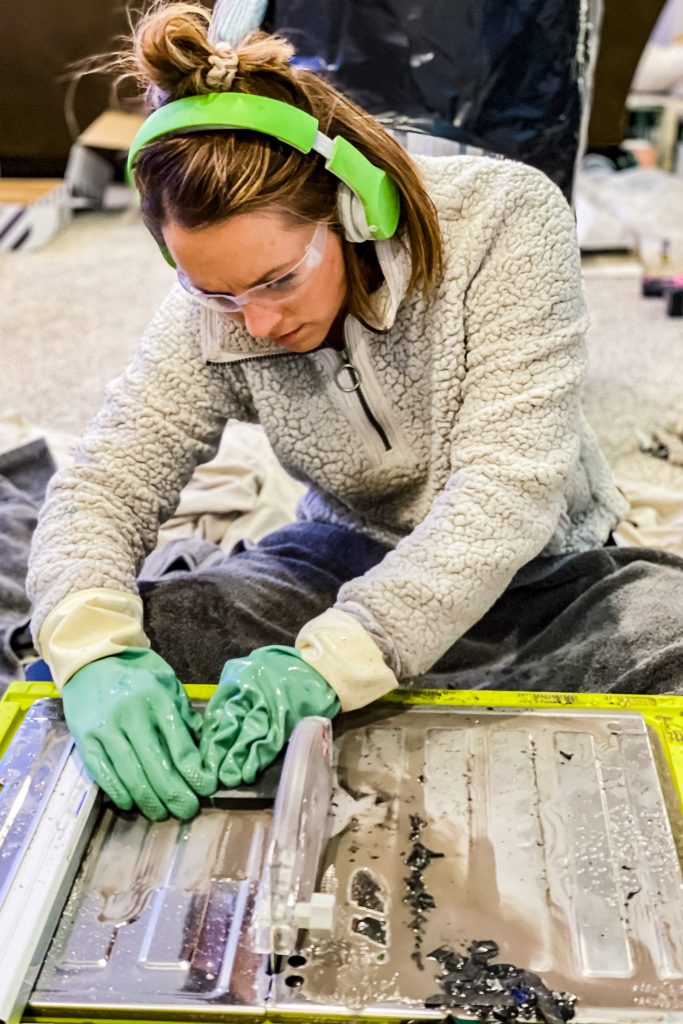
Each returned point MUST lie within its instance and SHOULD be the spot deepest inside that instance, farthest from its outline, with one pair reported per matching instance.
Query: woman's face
(253, 248)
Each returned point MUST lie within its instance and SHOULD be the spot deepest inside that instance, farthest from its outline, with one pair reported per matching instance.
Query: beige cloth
(241, 493)
(655, 519)
(16, 430)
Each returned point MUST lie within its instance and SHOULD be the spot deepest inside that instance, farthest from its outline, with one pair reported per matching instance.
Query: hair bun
(171, 51)
(260, 52)
(172, 56)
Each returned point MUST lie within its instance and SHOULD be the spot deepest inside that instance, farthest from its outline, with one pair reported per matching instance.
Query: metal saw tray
(551, 834)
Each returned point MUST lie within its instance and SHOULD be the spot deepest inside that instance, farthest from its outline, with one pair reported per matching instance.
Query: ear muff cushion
(352, 215)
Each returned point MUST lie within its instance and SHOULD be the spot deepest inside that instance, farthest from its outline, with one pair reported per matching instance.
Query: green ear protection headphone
(375, 204)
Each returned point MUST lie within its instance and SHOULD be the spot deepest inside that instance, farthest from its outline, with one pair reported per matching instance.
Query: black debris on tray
(418, 898)
(501, 992)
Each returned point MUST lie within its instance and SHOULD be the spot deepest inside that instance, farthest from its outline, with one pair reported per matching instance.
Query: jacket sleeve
(515, 441)
(165, 414)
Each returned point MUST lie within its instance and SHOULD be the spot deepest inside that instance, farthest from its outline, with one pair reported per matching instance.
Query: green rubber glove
(133, 727)
(258, 701)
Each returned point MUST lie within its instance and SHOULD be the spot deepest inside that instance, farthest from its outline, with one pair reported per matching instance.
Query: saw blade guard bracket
(286, 900)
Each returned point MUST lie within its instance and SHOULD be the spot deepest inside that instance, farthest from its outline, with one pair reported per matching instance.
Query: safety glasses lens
(271, 293)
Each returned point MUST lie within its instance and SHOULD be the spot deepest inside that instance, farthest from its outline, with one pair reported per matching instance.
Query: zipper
(373, 399)
(350, 372)
(347, 365)
(251, 359)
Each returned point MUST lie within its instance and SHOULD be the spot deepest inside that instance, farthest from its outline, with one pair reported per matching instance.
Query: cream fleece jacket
(465, 449)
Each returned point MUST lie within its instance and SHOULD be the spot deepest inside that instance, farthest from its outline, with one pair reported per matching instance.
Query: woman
(425, 386)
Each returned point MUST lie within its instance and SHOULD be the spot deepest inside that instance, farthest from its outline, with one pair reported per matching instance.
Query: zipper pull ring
(353, 374)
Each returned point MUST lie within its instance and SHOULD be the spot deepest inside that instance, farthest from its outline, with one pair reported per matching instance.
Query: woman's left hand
(258, 702)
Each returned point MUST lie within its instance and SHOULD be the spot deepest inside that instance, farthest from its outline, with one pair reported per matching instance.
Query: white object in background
(232, 20)
(643, 151)
(597, 228)
(646, 206)
(88, 173)
(660, 69)
(669, 24)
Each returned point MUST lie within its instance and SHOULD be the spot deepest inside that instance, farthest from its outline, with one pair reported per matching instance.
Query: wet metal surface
(545, 833)
(48, 806)
(555, 845)
(163, 916)
(158, 917)
(28, 773)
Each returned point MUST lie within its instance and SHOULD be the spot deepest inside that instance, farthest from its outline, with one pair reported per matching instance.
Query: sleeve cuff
(346, 656)
(88, 625)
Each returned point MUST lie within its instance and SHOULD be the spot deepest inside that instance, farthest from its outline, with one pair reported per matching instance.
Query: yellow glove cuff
(88, 625)
(346, 656)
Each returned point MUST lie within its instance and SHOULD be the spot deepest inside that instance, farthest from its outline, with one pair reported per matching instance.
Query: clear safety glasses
(272, 292)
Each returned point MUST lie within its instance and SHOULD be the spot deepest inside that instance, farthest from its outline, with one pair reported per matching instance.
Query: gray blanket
(24, 473)
(609, 620)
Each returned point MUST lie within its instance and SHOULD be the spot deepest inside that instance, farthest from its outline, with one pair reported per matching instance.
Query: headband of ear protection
(374, 209)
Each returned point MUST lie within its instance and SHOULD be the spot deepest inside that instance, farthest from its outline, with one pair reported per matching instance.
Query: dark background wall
(39, 39)
(626, 28)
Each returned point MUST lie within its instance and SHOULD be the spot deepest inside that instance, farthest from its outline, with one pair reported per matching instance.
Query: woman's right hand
(136, 734)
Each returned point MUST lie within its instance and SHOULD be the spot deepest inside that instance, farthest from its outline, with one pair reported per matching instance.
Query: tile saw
(446, 856)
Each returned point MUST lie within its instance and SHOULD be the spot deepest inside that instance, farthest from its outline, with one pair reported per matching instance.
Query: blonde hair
(203, 177)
